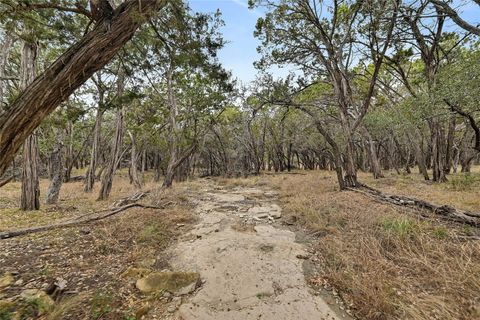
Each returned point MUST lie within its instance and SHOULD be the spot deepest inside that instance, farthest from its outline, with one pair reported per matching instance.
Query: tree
(67, 73)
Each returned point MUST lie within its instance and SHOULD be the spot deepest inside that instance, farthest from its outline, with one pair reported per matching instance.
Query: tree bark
(419, 155)
(173, 145)
(449, 149)
(375, 164)
(4, 54)
(134, 178)
(117, 142)
(69, 72)
(30, 197)
(57, 173)
(90, 175)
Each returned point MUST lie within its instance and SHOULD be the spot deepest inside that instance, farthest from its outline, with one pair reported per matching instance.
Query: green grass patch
(402, 227)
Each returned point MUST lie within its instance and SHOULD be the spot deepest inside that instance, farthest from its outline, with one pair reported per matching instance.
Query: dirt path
(250, 269)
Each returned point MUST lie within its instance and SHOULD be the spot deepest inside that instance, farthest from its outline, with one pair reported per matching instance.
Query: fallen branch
(70, 223)
(444, 211)
(130, 199)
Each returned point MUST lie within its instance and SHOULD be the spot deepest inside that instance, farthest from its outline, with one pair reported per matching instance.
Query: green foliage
(463, 182)
(101, 305)
(401, 227)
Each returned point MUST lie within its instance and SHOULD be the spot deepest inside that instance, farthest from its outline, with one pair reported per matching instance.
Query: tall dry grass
(386, 262)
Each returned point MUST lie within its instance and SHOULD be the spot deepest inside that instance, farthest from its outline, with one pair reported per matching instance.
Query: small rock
(175, 282)
(171, 309)
(177, 301)
(42, 300)
(19, 282)
(6, 280)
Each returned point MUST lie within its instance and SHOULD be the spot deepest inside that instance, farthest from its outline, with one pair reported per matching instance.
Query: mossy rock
(6, 280)
(7, 309)
(39, 300)
(135, 273)
(174, 282)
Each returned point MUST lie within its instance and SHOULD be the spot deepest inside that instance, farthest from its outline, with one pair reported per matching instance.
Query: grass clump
(464, 182)
(154, 233)
(101, 304)
(402, 227)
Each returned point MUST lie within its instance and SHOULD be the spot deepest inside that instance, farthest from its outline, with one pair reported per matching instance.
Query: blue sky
(240, 53)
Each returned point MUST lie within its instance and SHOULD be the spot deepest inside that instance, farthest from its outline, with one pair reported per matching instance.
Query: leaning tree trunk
(90, 175)
(69, 72)
(56, 170)
(30, 198)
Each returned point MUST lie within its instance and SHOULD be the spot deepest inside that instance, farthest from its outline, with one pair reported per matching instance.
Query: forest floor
(257, 245)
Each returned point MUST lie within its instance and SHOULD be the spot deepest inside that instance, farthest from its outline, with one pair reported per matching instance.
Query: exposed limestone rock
(6, 280)
(175, 282)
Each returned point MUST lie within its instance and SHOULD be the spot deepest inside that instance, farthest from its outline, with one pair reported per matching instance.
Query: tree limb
(71, 223)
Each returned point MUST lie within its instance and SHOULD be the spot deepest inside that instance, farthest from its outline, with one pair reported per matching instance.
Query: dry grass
(461, 190)
(91, 258)
(386, 262)
(72, 202)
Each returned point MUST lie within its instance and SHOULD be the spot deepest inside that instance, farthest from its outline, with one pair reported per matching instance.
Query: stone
(142, 311)
(6, 280)
(174, 282)
(276, 214)
(19, 282)
(134, 272)
(41, 299)
(171, 309)
(177, 301)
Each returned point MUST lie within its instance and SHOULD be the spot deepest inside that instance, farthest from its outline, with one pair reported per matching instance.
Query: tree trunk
(135, 180)
(90, 175)
(438, 165)
(4, 54)
(117, 142)
(419, 156)
(30, 198)
(449, 151)
(69, 72)
(69, 153)
(173, 145)
(57, 173)
(375, 164)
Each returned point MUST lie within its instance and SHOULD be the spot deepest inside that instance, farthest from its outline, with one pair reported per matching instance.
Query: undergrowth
(386, 261)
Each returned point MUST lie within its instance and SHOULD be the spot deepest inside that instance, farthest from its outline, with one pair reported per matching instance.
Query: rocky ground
(250, 266)
(230, 257)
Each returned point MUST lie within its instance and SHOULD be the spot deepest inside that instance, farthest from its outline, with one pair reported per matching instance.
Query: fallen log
(444, 211)
(70, 223)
